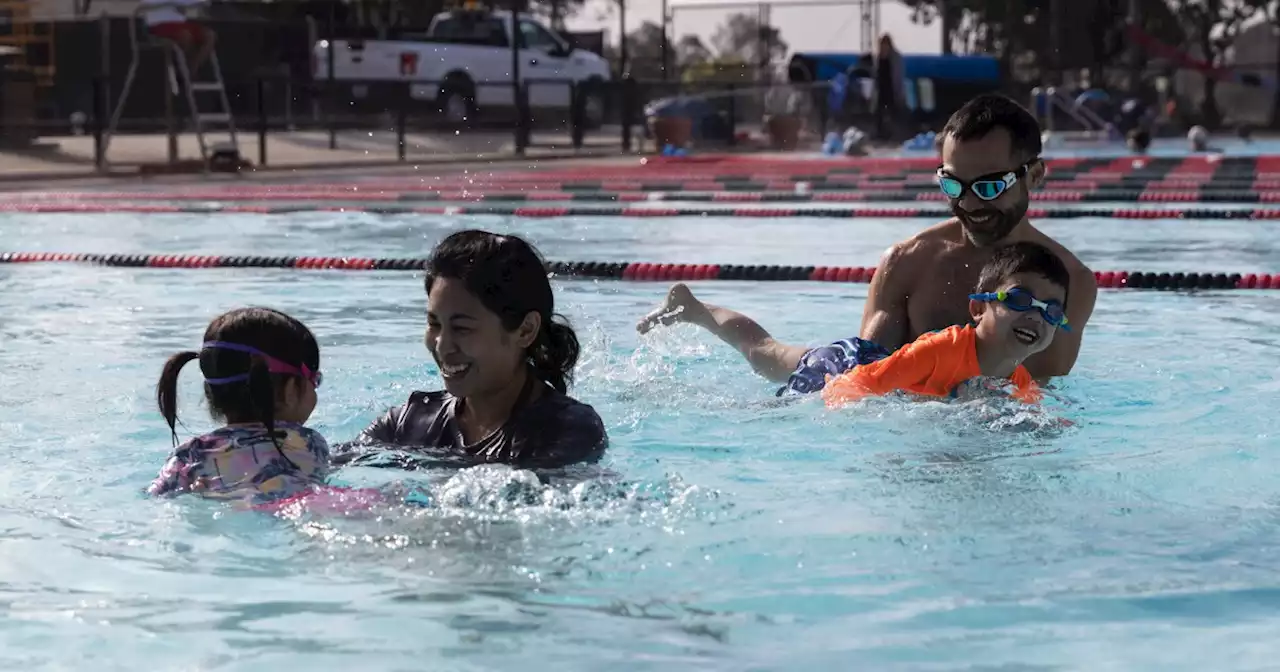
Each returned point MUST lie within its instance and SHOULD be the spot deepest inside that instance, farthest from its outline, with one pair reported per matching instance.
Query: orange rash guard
(933, 365)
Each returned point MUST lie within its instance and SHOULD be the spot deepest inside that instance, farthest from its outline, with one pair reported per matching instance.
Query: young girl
(261, 370)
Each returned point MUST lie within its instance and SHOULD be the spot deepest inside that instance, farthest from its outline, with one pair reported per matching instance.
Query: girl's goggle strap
(1021, 300)
(273, 365)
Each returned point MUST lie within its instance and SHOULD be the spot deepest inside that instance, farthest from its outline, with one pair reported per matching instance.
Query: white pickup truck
(464, 64)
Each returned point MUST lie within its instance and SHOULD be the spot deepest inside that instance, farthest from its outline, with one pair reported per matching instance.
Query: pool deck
(304, 156)
(296, 156)
(301, 156)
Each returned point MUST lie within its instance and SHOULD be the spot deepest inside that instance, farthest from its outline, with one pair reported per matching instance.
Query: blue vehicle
(935, 85)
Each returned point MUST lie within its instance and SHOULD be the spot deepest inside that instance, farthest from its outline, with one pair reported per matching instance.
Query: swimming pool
(728, 532)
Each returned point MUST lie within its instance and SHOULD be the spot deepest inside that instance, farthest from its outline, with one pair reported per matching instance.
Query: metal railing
(1045, 101)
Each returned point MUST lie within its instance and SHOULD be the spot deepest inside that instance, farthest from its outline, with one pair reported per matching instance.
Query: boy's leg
(767, 357)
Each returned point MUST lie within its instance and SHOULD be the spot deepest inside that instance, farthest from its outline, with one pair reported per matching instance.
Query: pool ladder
(1089, 120)
(178, 79)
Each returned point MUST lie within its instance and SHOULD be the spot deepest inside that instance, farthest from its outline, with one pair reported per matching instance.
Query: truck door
(544, 67)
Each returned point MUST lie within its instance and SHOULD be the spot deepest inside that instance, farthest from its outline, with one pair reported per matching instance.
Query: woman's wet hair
(253, 399)
(509, 277)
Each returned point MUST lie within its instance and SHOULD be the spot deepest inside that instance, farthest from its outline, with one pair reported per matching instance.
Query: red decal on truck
(408, 63)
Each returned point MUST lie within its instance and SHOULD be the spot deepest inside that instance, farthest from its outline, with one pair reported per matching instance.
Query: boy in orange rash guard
(1017, 307)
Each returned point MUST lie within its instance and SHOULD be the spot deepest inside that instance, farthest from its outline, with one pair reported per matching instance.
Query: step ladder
(179, 79)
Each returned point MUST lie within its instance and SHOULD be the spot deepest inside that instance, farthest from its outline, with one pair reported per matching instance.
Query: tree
(399, 13)
(691, 52)
(644, 52)
(742, 38)
(555, 11)
(1023, 33)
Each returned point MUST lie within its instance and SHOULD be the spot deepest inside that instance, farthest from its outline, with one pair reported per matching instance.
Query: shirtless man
(990, 163)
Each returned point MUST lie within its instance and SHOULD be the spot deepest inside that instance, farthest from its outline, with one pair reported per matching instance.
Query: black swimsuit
(552, 431)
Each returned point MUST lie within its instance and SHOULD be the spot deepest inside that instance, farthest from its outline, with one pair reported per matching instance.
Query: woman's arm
(383, 429)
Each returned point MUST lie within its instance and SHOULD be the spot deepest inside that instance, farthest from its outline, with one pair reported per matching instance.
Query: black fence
(398, 111)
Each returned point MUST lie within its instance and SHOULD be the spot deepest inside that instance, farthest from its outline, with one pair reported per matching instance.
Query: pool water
(725, 529)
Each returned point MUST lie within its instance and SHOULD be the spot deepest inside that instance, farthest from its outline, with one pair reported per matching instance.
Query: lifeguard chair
(178, 76)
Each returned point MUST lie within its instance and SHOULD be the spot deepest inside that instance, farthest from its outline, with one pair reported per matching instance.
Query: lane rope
(381, 189)
(884, 193)
(633, 271)
(638, 211)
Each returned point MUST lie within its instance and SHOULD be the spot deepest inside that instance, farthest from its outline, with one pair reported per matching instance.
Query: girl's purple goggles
(273, 365)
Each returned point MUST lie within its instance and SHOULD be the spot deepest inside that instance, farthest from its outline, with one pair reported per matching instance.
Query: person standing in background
(889, 82)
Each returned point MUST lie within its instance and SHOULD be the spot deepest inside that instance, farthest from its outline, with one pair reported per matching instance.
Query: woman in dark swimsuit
(506, 361)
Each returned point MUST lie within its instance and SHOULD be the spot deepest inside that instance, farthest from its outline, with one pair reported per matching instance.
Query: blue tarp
(914, 66)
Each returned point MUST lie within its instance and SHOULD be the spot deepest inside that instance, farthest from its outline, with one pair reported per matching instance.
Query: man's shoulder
(1081, 275)
(1069, 259)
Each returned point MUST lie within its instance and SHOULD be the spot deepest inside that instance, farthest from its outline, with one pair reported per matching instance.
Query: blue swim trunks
(831, 360)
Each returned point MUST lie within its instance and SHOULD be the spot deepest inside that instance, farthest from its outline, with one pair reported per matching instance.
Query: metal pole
(628, 84)
(628, 110)
(1135, 51)
(171, 124)
(401, 116)
(622, 45)
(104, 60)
(262, 123)
(330, 89)
(515, 77)
(944, 16)
(1055, 39)
(576, 114)
(665, 46)
(99, 158)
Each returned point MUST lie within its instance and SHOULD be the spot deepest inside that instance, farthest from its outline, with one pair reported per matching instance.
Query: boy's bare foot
(681, 306)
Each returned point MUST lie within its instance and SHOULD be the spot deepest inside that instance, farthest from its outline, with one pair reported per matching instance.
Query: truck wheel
(457, 104)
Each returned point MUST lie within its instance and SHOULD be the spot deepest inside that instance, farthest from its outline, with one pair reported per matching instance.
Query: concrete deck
(72, 157)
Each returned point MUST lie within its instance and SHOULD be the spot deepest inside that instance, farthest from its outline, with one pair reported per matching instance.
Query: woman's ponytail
(167, 389)
(555, 353)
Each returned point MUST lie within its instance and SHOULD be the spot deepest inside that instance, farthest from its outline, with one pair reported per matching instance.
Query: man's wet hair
(989, 111)
(1010, 260)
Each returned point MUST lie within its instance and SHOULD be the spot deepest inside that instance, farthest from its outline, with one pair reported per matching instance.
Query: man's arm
(1060, 356)
(884, 317)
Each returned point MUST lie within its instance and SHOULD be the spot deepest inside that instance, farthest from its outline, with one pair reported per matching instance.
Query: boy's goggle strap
(273, 365)
(1022, 300)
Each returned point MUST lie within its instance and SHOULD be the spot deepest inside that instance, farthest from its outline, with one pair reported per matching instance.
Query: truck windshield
(479, 30)
(533, 36)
